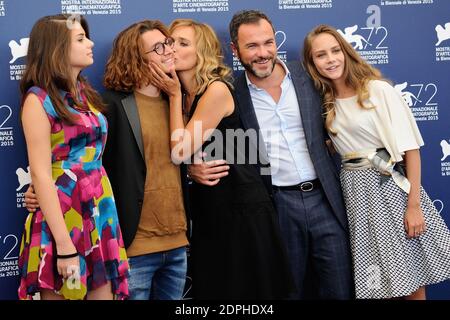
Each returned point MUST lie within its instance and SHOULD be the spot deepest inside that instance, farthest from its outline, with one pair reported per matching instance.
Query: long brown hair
(357, 73)
(48, 64)
(128, 67)
(210, 66)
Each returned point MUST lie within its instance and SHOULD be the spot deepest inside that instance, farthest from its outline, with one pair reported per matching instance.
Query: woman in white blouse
(399, 241)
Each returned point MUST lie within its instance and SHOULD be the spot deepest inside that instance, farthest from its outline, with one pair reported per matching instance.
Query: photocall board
(409, 40)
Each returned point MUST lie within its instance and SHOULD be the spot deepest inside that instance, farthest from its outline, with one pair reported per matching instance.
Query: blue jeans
(158, 276)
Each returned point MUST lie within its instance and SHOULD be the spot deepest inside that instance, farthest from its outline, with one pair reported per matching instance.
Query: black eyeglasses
(160, 47)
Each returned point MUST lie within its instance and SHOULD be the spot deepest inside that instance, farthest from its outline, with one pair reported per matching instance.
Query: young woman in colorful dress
(72, 246)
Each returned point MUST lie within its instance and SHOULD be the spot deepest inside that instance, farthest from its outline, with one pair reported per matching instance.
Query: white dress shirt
(282, 130)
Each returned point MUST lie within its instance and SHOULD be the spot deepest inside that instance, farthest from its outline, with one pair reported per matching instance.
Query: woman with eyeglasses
(237, 252)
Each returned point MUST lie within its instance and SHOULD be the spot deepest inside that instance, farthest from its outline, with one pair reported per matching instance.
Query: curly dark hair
(127, 67)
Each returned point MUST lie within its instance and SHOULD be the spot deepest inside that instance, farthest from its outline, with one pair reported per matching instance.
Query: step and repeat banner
(409, 40)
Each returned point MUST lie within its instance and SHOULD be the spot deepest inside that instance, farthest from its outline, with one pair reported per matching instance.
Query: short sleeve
(44, 98)
(403, 125)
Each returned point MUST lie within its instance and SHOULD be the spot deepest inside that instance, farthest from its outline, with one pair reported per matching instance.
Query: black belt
(305, 186)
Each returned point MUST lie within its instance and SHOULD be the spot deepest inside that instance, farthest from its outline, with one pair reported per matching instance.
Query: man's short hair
(246, 17)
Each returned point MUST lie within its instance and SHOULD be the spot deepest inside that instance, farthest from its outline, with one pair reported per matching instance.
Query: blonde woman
(236, 248)
(399, 241)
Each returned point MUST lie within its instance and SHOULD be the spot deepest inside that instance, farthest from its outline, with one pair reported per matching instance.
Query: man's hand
(208, 173)
(31, 201)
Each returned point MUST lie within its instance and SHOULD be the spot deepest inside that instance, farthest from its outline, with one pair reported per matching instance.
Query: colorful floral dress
(88, 207)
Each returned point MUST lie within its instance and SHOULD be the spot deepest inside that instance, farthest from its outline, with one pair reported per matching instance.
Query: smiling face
(185, 48)
(80, 52)
(328, 56)
(149, 41)
(256, 48)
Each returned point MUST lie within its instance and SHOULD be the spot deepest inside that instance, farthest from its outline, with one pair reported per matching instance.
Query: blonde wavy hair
(210, 66)
(128, 66)
(357, 74)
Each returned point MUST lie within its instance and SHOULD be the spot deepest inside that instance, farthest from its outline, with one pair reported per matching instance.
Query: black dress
(237, 251)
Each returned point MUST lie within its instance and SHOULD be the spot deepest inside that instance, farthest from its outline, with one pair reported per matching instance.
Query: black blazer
(310, 104)
(124, 161)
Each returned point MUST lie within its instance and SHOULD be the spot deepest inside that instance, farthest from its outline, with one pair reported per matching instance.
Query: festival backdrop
(409, 40)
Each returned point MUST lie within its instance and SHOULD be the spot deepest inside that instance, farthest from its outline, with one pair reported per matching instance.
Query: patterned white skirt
(386, 263)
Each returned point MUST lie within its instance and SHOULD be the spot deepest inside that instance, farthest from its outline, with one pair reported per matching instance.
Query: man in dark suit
(280, 102)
